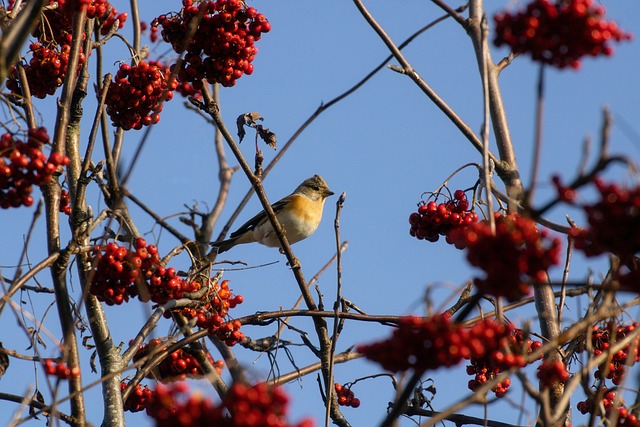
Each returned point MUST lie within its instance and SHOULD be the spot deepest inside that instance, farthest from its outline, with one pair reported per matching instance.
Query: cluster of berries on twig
(552, 372)
(515, 255)
(217, 38)
(120, 273)
(558, 33)
(422, 344)
(434, 219)
(46, 69)
(626, 417)
(65, 202)
(511, 352)
(23, 165)
(346, 397)
(613, 226)
(136, 95)
(614, 222)
(244, 405)
(178, 365)
(138, 399)
(59, 369)
(602, 338)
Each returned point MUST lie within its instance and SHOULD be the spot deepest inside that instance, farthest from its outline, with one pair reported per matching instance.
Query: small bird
(299, 214)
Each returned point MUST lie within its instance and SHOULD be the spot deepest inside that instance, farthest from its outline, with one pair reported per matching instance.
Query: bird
(299, 213)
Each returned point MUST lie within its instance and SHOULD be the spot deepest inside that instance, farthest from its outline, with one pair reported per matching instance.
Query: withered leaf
(246, 119)
(38, 397)
(267, 136)
(4, 361)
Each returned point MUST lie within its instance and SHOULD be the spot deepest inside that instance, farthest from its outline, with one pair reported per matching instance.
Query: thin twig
(336, 307)
(426, 89)
(537, 138)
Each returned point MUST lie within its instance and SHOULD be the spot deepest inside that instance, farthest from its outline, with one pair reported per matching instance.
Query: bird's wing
(260, 218)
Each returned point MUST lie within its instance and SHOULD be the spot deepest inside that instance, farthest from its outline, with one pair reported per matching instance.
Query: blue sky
(384, 146)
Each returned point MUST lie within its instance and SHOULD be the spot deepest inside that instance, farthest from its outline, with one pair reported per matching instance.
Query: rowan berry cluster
(510, 352)
(614, 226)
(346, 397)
(48, 65)
(106, 15)
(552, 372)
(185, 89)
(258, 405)
(117, 271)
(138, 399)
(65, 202)
(23, 165)
(625, 416)
(434, 219)
(614, 222)
(212, 310)
(136, 95)
(45, 71)
(437, 341)
(242, 406)
(558, 33)
(171, 407)
(601, 339)
(515, 255)
(59, 369)
(120, 273)
(223, 45)
(177, 366)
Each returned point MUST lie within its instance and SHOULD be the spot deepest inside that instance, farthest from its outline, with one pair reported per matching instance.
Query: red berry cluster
(346, 396)
(222, 48)
(171, 408)
(138, 399)
(57, 20)
(65, 202)
(258, 405)
(23, 165)
(120, 273)
(515, 255)
(601, 340)
(50, 54)
(136, 95)
(117, 270)
(434, 219)
(625, 417)
(246, 406)
(614, 222)
(59, 369)
(185, 89)
(437, 341)
(560, 33)
(45, 71)
(509, 352)
(176, 366)
(552, 372)
(419, 344)
(106, 15)
(212, 312)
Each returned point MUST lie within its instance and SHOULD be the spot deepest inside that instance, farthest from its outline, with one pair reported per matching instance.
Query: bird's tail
(224, 245)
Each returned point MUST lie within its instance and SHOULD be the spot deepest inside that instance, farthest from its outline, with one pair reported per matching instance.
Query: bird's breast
(300, 219)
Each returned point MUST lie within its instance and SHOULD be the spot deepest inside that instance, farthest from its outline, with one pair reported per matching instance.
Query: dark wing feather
(260, 218)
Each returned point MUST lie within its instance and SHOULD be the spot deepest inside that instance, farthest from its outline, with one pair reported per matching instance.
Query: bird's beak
(328, 193)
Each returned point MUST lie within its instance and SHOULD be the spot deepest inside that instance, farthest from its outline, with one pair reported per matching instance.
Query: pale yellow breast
(300, 220)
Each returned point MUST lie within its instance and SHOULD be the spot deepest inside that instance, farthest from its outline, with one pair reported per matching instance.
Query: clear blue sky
(384, 146)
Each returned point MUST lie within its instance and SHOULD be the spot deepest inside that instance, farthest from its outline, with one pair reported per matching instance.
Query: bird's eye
(315, 187)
